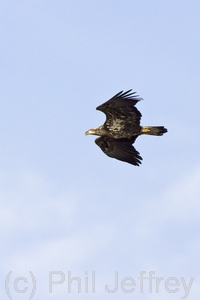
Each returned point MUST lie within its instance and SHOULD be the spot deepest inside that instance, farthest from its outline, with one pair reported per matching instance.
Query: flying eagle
(122, 127)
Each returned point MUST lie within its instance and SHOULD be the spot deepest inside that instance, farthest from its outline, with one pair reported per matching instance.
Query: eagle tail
(153, 130)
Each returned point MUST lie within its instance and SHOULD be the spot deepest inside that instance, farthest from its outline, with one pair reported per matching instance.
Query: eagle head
(95, 131)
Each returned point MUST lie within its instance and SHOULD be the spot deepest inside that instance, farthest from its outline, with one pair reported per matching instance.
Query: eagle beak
(87, 132)
(90, 131)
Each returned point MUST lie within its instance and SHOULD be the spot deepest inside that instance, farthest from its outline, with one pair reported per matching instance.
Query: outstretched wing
(122, 117)
(120, 149)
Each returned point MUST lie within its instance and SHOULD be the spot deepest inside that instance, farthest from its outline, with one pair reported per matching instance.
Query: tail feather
(153, 130)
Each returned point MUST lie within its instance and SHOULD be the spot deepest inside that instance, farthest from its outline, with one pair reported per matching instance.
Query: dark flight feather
(122, 117)
(120, 149)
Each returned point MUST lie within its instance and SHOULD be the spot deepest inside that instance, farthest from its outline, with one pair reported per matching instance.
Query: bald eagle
(122, 127)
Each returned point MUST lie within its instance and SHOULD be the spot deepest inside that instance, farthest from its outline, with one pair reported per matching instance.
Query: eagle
(122, 127)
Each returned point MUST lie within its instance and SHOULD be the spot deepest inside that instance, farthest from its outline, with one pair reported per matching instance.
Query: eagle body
(122, 127)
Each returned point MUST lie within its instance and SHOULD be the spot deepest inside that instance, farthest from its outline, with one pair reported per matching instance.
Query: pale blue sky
(65, 206)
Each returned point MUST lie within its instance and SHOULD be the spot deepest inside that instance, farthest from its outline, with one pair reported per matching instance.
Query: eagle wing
(122, 117)
(120, 149)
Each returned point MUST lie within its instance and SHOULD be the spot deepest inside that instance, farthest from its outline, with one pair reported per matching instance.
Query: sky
(74, 223)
